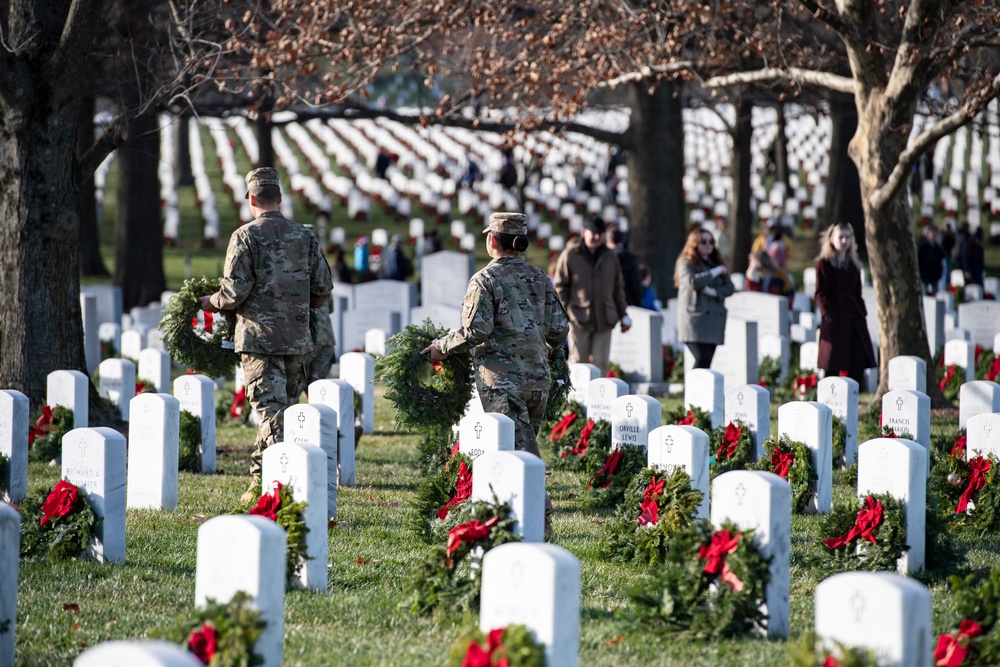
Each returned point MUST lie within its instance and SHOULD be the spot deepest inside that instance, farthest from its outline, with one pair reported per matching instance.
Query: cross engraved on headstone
(322, 394)
(600, 390)
(833, 389)
(146, 409)
(858, 604)
(516, 573)
(497, 470)
(883, 456)
(302, 420)
(899, 404)
(988, 427)
(478, 430)
(741, 491)
(83, 448)
(628, 410)
(739, 398)
(669, 442)
(284, 462)
(187, 389)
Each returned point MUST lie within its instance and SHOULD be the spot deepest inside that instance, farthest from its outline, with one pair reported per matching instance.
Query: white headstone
(118, 383)
(538, 586)
(750, 404)
(672, 447)
(316, 424)
(737, 358)
(881, 611)
(355, 325)
(153, 435)
(983, 435)
(375, 342)
(840, 394)
(132, 343)
(197, 395)
(111, 332)
(961, 353)
(137, 653)
(898, 467)
(358, 369)
(934, 321)
(639, 352)
(580, 376)
(811, 423)
(69, 389)
(909, 412)
(154, 366)
(303, 468)
(632, 419)
(776, 347)
(396, 295)
(981, 319)
(601, 393)
(808, 355)
(10, 547)
(339, 395)
(908, 372)
(449, 317)
(14, 418)
(485, 432)
(109, 301)
(518, 479)
(91, 338)
(703, 389)
(94, 460)
(975, 398)
(769, 311)
(761, 501)
(444, 277)
(245, 553)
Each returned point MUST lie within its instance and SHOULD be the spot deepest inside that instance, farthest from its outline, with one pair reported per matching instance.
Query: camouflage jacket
(274, 273)
(512, 317)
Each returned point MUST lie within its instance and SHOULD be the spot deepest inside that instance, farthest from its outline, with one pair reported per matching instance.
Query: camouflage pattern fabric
(273, 382)
(274, 272)
(322, 355)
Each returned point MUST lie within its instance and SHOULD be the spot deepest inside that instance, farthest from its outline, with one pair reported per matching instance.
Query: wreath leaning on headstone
(280, 507)
(189, 443)
(209, 350)
(808, 652)
(562, 428)
(657, 504)
(57, 524)
(559, 383)
(975, 598)
(690, 416)
(576, 443)
(967, 490)
(426, 395)
(450, 578)
(711, 584)
(512, 646)
(791, 460)
(221, 634)
(867, 535)
(440, 494)
(610, 472)
(45, 437)
(731, 448)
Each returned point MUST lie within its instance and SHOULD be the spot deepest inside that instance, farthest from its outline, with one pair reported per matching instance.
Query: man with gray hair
(274, 273)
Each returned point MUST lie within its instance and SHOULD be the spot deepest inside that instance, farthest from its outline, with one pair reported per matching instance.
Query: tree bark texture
(91, 262)
(781, 150)
(182, 151)
(740, 215)
(843, 189)
(138, 225)
(656, 150)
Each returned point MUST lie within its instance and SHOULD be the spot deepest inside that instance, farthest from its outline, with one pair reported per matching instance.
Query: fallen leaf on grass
(363, 561)
(598, 522)
(72, 607)
(76, 626)
(200, 518)
(392, 505)
(333, 523)
(615, 640)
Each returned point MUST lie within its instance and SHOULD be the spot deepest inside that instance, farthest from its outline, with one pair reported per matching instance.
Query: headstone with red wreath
(93, 459)
(976, 398)
(196, 394)
(633, 418)
(672, 447)
(69, 389)
(518, 479)
(750, 404)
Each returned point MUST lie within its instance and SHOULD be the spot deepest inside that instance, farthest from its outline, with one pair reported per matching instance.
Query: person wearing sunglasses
(702, 283)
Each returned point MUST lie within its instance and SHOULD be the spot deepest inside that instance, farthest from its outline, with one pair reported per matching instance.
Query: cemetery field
(363, 619)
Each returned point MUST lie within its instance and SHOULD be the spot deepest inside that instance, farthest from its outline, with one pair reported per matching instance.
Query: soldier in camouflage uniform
(323, 354)
(512, 318)
(274, 273)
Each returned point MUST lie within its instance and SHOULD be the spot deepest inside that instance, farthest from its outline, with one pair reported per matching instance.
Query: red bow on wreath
(730, 440)
(580, 448)
(994, 370)
(559, 430)
(958, 449)
(978, 467)
(239, 401)
(463, 490)
(476, 656)
(951, 650)
(203, 642)
(469, 531)
(869, 518)
(715, 552)
(269, 503)
(609, 469)
(209, 321)
(650, 510)
(688, 420)
(781, 462)
(60, 501)
(42, 425)
(455, 449)
(949, 374)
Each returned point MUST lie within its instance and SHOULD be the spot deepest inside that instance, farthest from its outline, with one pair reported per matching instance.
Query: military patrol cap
(259, 177)
(508, 223)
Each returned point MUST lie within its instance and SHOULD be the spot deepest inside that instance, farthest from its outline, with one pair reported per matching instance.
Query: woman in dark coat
(844, 343)
(702, 286)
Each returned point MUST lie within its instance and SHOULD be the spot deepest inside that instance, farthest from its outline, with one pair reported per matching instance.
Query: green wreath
(234, 628)
(969, 500)
(189, 443)
(690, 416)
(513, 646)
(839, 442)
(61, 537)
(984, 362)
(697, 593)
(47, 443)
(889, 533)
(803, 653)
(424, 398)
(731, 448)
(635, 535)
(434, 494)
(435, 449)
(609, 473)
(950, 380)
(449, 581)
(769, 372)
(211, 354)
(975, 598)
(798, 470)
(559, 383)
(571, 454)
(279, 506)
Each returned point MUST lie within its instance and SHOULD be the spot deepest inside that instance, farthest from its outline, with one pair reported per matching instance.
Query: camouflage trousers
(318, 362)
(273, 382)
(526, 408)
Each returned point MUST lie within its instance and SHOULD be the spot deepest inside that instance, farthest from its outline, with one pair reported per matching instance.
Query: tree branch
(840, 84)
(927, 138)
(647, 72)
(825, 15)
(78, 29)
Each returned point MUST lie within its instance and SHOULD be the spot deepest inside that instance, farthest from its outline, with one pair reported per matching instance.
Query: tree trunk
(265, 146)
(781, 151)
(40, 323)
(892, 250)
(91, 262)
(843, 187)
(740, 215)
(182, 151)
(656, 151)
(138, 225)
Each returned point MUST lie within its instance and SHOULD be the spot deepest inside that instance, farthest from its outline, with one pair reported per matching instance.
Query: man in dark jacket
(930, 258)
(629, 264)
